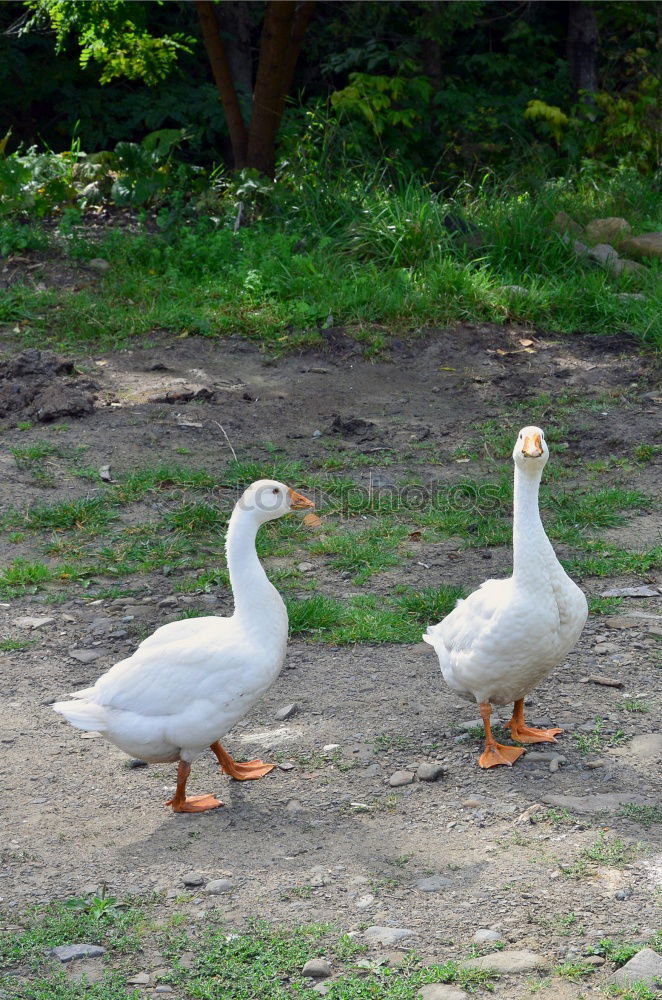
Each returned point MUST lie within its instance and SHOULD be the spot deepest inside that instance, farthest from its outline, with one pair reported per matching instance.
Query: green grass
(603, 605)
(15, 645)
(367, 252)
(646, 816)
(98, 920)
(367, 618)
(614, 853)
(596, 739)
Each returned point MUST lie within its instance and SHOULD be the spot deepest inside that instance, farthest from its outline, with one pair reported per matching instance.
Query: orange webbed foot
(194, 804)
(529, 734)
(249, 770)
(496, 753)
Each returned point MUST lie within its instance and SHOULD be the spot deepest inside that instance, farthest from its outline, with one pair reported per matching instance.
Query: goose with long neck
(496, 645)
(188, 683)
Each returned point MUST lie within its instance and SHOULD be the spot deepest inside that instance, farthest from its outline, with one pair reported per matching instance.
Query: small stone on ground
(387, 935)
(68, 952)
(644, 967)
(508, 961)
(316, 968)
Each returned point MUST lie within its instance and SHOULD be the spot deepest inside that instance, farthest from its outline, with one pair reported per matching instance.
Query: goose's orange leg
(194, 803)
(527, 734)
(495, 753)
(250, 770)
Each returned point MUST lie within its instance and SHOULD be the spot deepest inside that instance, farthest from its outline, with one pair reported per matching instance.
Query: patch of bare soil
(41, 386)
(329, 838)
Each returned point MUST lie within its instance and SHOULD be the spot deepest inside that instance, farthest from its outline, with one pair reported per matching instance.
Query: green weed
(646, 816)
(596, 740)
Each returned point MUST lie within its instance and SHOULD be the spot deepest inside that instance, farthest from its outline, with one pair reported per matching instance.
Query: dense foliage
(428, 84)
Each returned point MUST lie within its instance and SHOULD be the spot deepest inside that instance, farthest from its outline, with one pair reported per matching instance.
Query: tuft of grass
(596, 740)
(645, 815)
(21, 576)
(603, 605)
(98, 920)
(635, 705)
(613, 853)
(91, 514)
(15, 645)
(574, 970)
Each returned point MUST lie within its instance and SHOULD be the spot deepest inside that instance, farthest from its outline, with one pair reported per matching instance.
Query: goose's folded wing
(474, 618)
(164, 679)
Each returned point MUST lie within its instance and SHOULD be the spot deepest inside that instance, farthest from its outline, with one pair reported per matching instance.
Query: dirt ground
(328, 838)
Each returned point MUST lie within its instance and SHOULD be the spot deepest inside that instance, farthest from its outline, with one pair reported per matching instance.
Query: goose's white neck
(256, 600)
(531, 547)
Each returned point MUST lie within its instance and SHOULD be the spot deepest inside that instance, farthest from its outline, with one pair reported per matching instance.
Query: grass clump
(645, 815)
(96, 920)
(367, 618)
(21, 577)
(266, 963)
(597, 740)
(612, 853)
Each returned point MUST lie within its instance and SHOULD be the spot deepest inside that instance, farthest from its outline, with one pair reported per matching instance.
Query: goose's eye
(275, 490)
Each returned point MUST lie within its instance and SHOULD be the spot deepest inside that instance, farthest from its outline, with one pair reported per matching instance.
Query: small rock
(68, 952)
(603, 253)
(401, 778)
(564, 223)
(439, 991)
(387, 935)
(610, 230)
(595, 960)
(471, 804)
(87, 655)
(286, 712)
(169, 602)
(433, 883)
(631, 592)
(163, 988)
(193, 879)
(316, 968)
(99, 264)
(646, 245)
(104, 473)
(321, 988)
(508, 961)
(140, 979)
(645, 967)
(623, 894)
(218, 886)
(363, 902)
(29, 622)
(305, 567)
(528, 814)
(430, 771)
(485, 934)
(625, 266)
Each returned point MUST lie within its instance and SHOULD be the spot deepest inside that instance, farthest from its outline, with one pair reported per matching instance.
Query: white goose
(496, 645)
(192, 680)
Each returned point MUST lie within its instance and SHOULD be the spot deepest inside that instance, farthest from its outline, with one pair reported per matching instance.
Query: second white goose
(506, 636)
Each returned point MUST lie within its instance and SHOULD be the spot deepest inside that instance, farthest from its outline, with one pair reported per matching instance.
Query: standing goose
(192, 680)
(496, 645)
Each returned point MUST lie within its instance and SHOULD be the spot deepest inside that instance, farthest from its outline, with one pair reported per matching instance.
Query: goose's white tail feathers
(83, 714)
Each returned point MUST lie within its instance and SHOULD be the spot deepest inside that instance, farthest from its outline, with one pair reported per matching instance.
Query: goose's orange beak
(532, 446)
(299, 502)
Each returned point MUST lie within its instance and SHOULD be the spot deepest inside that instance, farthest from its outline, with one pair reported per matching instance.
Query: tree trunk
(223, 79)
(582, 46)
(284, 26)
(235, 23)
